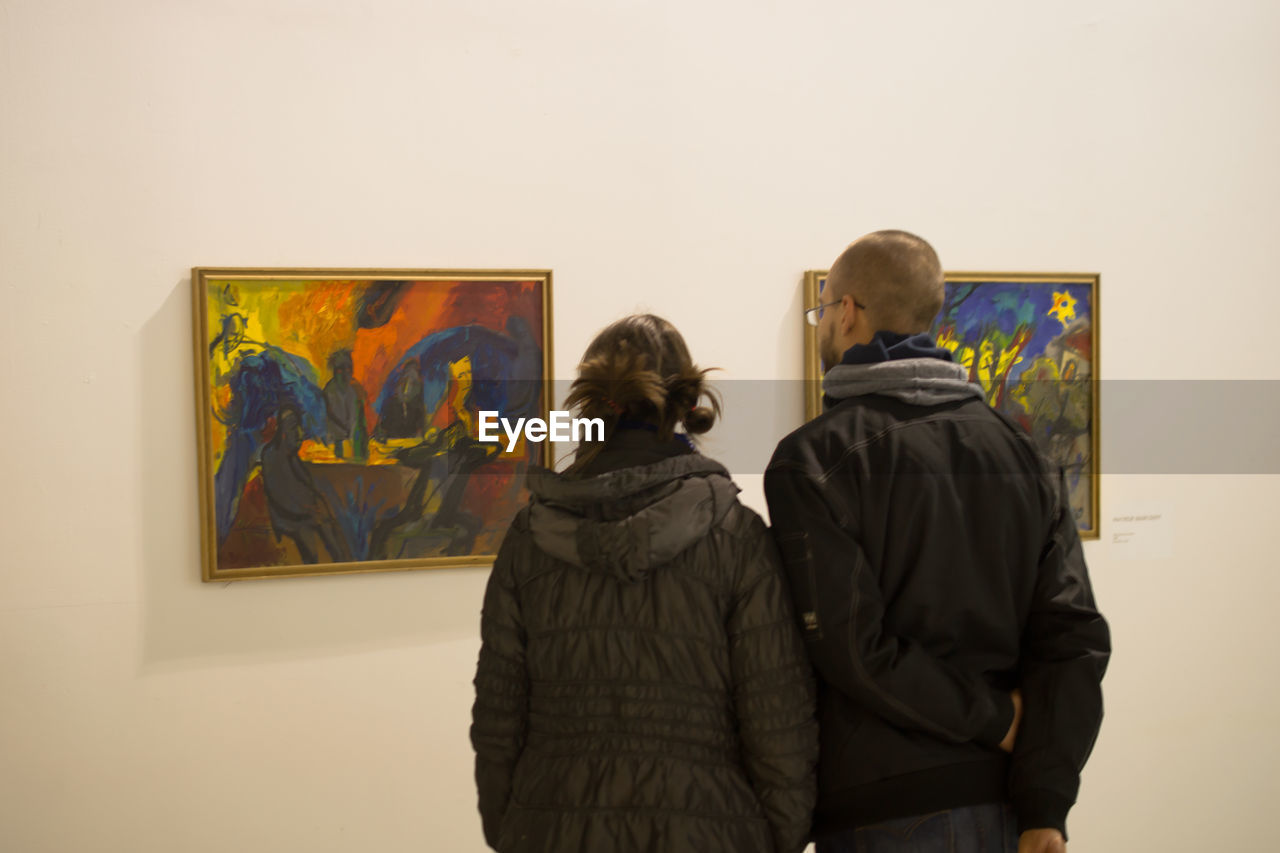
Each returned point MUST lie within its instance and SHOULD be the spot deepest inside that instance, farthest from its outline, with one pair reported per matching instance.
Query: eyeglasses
(814, 314)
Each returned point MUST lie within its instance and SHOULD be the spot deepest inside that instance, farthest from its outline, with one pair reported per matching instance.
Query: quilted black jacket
(642, 685)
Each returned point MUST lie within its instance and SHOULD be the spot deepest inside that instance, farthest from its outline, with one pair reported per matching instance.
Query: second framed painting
(1030, 340)
(337, 414)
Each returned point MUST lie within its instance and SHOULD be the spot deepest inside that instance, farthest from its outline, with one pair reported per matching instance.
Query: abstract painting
(337, 415)
(1030, 340)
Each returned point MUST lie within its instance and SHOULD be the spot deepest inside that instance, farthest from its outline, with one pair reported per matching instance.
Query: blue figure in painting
(447, 362)
(262, 378)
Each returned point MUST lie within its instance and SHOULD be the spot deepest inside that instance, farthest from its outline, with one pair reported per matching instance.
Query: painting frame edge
(209, 572)
(812, 363)
(813, 375)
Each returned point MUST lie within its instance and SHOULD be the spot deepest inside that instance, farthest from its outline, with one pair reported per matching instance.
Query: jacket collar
(910, 368)
(894, 346)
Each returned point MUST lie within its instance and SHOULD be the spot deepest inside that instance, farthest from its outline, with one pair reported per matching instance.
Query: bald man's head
(896, 275)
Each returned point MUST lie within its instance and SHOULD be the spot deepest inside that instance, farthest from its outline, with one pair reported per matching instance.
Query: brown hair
(897, 275)
(639, 368)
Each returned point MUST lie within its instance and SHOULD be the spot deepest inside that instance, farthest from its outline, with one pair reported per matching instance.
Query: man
(344, 407)
(938, 575)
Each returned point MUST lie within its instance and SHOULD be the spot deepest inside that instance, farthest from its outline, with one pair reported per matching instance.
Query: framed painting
(337, 415)
(1030, 340)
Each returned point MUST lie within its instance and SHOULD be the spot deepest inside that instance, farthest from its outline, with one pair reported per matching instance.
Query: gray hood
(632, 520)
(918, 381)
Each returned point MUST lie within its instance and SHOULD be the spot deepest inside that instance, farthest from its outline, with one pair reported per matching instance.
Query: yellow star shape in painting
(1064, 307)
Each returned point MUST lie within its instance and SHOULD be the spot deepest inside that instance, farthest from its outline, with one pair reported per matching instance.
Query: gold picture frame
(1002, 326)
(336, 415)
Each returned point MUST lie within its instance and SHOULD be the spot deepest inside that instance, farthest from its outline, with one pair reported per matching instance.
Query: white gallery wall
(693, 158)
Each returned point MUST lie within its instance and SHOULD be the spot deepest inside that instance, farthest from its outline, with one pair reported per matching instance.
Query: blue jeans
(972, 829)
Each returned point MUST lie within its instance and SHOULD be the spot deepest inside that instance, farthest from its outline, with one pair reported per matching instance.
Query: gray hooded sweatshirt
(918, 381)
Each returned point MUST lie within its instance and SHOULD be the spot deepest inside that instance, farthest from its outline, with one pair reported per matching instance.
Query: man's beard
(827, 350)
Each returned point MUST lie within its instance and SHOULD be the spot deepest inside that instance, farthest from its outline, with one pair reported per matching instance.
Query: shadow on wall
(188, 623)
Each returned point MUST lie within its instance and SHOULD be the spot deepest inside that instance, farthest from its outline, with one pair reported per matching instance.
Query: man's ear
(848, 314)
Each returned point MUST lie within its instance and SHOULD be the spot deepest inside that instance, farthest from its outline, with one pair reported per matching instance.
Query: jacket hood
(893, 346)
(632, 520)
(918, 381)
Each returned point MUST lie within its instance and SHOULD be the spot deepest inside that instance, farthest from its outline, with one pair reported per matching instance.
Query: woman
(642, 685)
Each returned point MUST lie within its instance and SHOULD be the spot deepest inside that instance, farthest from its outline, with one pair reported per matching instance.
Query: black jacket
(935, 565)
(642, 685)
